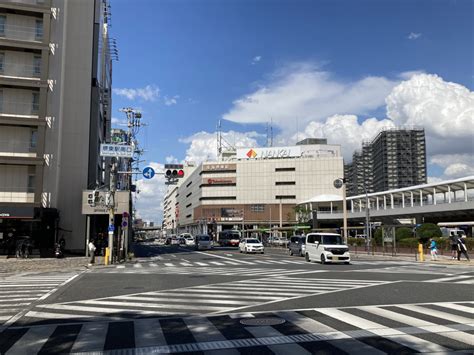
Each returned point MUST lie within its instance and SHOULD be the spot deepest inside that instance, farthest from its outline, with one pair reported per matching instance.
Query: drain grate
(262, 321)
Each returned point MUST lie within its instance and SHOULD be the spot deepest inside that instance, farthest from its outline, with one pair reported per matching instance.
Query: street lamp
(338, 183)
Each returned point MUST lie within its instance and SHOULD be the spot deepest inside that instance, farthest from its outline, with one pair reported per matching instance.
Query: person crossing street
(462, 249)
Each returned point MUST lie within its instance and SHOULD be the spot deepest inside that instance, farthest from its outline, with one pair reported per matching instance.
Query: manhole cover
(262, 321)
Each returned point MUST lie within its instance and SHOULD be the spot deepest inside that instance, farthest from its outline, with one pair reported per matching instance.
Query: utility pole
(111, 206)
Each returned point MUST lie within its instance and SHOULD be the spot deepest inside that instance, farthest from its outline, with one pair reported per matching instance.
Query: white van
(326, 248)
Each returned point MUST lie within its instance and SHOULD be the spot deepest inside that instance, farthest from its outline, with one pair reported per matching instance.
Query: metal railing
(23, 33)
(20, 70)
(19, 108)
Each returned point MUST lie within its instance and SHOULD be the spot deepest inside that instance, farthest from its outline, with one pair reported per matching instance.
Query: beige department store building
(255, 188)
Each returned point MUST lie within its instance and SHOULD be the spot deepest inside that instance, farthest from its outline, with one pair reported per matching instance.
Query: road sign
(124, 224)
(148, 172)
(111, 227)
(116, 150)
(338, 183)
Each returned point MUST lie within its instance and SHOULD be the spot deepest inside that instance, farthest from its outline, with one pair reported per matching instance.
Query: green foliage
(403, 233)
(408, 243)
(427, 231)
(378, 236)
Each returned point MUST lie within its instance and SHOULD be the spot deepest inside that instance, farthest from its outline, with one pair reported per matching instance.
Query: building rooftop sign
(269, 153)
(300, 151)
(116, 150)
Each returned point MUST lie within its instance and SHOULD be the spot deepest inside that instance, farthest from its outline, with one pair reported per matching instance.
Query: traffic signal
(174, 171)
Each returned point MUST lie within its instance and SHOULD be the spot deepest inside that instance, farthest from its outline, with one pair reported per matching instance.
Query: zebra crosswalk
(183, 263)
(203, 299)
(378, 329)
(18, 292)
(458, 279)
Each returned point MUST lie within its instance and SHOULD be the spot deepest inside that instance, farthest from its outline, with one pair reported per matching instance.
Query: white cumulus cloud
(256, 59)
(150, 198)
(306, 93)
(203, 145)
(169, 101)
(414, 35)
(147, 93)
(454, 165)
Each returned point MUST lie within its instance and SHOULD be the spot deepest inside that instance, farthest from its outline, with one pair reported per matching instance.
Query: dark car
(296, 245)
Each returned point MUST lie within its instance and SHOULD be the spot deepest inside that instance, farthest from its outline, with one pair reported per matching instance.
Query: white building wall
(20, 27)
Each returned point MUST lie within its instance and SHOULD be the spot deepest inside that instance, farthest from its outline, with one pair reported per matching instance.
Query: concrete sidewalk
(442, 259)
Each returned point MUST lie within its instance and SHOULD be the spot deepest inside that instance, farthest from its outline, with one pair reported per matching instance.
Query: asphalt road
(175, 299)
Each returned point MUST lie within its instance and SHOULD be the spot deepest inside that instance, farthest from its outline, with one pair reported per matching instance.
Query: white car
(251, 245)
(188, 239)
(326, 248)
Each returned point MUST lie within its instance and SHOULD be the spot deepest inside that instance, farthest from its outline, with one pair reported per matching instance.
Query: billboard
(121, 203)
(219, 167)
(116, 150)
(219, 181)
(269, 153)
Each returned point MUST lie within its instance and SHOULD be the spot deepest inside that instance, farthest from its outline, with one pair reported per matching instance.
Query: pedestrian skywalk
(18, 292)
(203, 299)
(386, 329)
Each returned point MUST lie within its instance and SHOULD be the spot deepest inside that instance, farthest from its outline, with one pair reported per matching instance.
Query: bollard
(106, 258)
(420, 251)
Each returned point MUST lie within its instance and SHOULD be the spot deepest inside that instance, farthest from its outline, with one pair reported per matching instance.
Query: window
(2, 62)
(189, 184)
(1, 100)
(33, 138)
(285, 169)
(189, 194)
(218, 198)
(31, 183)
(257, 208)
(3, 21)
(37, 65)
(287, 197)
(285, 182)
(189, 216)
(188, 205)
(39, 30)
(35, 104)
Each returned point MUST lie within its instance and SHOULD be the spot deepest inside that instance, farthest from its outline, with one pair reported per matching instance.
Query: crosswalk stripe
(422, 324)
(457, 307)
(169, 264)
(361, 336)
(454, 278)
(157, 299)
(435, 313)
(154, 305)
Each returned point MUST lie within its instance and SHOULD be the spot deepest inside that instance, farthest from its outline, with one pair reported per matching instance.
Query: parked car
(251, 245)
(326, 248)
(297, 245)
(203, 242)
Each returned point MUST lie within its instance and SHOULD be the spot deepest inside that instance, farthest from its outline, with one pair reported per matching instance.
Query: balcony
(28, 2)
(22, 33)
(19, 109)
(24, 71)
(17, 194)
(15, 148)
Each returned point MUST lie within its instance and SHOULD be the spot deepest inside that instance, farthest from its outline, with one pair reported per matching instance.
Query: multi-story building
(395, 158)
(55, 100)
(259, 187)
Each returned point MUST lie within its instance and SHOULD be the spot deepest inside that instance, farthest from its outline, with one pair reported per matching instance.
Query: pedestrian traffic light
(90, 199)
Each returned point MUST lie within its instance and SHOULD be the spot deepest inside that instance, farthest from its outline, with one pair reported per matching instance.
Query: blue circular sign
(148, 172)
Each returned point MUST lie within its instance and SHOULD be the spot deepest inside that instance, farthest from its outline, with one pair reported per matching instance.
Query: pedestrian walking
(92, 252)
(433, 250)
(462, 249)
(454, 246)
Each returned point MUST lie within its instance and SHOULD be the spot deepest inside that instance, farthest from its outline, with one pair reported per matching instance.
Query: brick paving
(14, 266)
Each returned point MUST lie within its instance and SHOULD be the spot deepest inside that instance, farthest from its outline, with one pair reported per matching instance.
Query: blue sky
(200, 56)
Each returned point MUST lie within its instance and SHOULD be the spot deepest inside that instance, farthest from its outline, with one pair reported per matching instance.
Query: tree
(302, 214)
(427, 231)
(403, 233)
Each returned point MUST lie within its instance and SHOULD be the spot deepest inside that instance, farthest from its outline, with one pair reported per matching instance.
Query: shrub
(408, 243)
(378, 236)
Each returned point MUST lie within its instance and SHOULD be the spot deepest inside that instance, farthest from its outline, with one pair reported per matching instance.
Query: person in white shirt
(92, 252)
